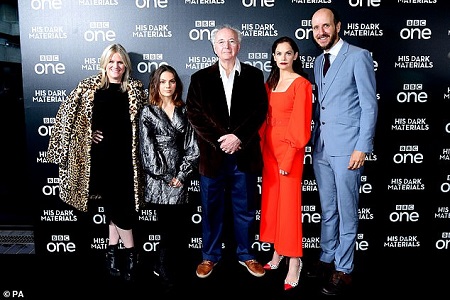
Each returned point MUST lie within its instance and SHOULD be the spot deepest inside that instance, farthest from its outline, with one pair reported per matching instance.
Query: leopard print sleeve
(60, 134)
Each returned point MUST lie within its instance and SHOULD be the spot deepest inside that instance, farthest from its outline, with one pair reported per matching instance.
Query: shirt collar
(237, 67)
(335, 49)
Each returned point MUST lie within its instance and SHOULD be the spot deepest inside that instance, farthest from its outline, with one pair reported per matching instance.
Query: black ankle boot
(130, 264)
(112, 261)
(162, 269)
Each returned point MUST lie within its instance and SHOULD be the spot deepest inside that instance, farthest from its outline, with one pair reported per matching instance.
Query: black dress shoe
(321, 270)
(338, 284)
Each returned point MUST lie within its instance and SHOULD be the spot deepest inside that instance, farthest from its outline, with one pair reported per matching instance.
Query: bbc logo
(60, 238)
(205, 23)
(404, 207)
(416, 23)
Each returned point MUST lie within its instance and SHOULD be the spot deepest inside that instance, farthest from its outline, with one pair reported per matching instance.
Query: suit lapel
(333, 70)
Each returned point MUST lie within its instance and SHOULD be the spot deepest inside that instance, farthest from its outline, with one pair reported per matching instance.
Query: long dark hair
(153, 86)
(274, 75)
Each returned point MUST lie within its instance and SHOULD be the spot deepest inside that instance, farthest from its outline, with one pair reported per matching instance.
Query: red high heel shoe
(292, 284)
(271, 266)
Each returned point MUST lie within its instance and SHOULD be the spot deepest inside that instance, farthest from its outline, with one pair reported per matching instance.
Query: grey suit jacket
(346, 109)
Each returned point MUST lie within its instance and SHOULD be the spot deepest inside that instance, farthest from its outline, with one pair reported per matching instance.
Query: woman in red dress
(284, 136)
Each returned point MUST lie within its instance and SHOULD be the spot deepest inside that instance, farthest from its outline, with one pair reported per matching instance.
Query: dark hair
(153, 86)
(274, 75)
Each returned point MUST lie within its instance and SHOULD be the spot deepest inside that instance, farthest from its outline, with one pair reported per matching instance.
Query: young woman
(169, 155)
(284, 136)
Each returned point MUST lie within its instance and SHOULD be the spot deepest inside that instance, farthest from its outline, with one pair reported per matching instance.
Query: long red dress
(284, 136)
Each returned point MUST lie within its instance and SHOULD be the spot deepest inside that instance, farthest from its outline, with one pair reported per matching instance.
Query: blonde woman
(94, 142)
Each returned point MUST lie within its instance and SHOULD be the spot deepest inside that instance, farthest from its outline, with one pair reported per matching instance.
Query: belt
(277, 121)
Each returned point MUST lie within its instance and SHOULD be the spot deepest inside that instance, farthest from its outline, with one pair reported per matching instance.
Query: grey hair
(220, 27)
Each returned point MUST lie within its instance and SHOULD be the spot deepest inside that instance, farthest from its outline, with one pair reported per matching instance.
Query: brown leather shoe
(254, 267)
(205, 268)
(339, 283)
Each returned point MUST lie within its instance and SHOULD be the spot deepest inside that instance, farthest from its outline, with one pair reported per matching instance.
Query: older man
(227, 103)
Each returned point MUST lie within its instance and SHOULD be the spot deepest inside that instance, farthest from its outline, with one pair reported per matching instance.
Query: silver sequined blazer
(168, 149)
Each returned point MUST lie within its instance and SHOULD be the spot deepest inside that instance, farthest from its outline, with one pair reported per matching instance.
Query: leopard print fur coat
(71, 139)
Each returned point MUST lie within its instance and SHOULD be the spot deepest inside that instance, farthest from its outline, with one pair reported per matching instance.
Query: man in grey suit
(344, 127)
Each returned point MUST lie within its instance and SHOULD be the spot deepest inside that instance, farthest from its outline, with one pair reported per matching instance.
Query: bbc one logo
(49, 64)
(404, 213)
(99, 32)
(361, 243)
(51, 188)
(202, 30)
(152, 3)
(260, 60)
(258, 3)
(152, 243)
(408, 154)
(259, 246)
(415, 30)
(150, 62)
(445, 186)
(99, 218)
(412, 93)
(304, 32)
(366, 187)
(307, 159)
(60, 244)
(310, 215)
(45, 129)
(444, 242)
(46, 4)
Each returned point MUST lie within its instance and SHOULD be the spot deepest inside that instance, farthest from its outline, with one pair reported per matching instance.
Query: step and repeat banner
(404, 205)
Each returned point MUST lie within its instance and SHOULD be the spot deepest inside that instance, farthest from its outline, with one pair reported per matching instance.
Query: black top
(111, 159)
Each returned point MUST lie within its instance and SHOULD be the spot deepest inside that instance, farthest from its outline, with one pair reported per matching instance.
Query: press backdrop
(404, 205)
